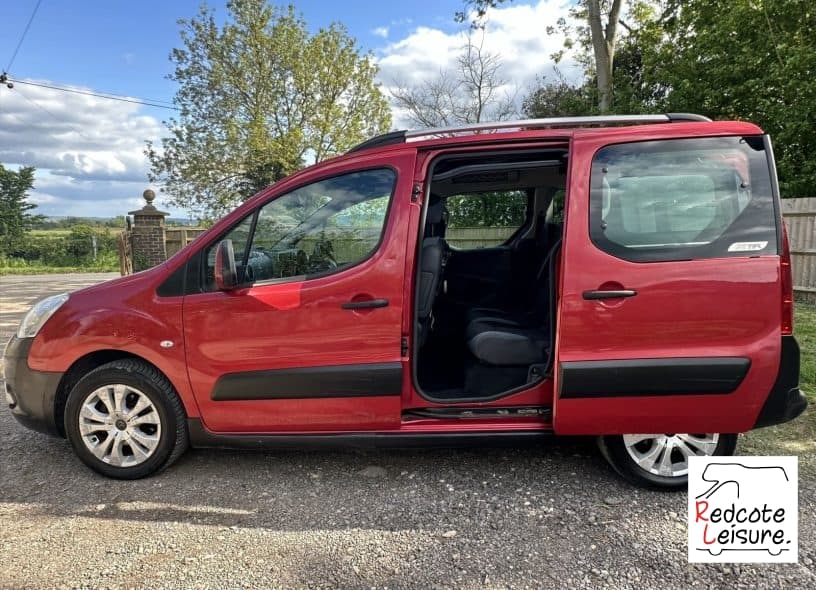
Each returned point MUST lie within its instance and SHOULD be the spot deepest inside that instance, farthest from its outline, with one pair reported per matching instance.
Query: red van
(626, 277)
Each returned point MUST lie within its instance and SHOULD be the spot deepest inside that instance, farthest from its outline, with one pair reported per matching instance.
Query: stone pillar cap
(148, 210)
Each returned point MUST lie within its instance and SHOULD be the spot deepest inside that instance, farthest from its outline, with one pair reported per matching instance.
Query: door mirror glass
(226, 273)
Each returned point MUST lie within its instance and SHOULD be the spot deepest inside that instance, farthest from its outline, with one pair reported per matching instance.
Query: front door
(311, 341)
(670, 314)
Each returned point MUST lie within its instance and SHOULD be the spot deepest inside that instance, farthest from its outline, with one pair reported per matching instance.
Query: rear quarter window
(683, 199)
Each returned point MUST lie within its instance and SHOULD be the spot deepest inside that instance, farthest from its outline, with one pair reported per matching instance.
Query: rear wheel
(660, 461)
(125, 420)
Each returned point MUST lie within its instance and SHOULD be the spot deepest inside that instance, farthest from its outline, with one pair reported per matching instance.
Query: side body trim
(642, 377)
(370, 379)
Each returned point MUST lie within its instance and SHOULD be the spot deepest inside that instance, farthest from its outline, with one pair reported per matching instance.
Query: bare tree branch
(472, 92)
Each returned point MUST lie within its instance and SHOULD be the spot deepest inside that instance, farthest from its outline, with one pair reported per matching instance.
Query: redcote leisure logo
(743, 510)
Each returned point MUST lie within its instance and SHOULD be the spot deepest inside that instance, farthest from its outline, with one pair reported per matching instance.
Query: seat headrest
(436, 211)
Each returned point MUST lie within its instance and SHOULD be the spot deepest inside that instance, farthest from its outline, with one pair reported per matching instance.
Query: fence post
(148, 234)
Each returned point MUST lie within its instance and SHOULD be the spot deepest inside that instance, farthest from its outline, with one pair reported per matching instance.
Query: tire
(113, 436)
(616, 451)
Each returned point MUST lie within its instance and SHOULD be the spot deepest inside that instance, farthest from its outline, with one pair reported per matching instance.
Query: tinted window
(484, 220)
(683, 199)
(316, 229)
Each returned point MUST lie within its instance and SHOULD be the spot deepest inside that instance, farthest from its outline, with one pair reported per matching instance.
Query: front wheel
(660, 461)
(125, 420)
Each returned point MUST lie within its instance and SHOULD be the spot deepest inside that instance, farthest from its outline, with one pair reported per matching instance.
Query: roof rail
(396, 137)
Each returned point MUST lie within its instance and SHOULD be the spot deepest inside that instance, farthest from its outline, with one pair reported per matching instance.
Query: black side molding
(641, 377)
(370, 379)
(785, 400)
(200, 437)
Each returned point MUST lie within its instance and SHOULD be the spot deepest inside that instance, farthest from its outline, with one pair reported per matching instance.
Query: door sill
(479, 413)
(200, 437)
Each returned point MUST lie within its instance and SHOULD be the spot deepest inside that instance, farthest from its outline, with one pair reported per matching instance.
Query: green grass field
(799, 436)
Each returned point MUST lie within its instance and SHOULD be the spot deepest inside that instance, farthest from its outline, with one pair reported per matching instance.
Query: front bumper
(785, 401)
(29, 394)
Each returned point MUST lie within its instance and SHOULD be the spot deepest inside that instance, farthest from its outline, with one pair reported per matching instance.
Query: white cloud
(88, 151)
(381, 32)
(516, 32)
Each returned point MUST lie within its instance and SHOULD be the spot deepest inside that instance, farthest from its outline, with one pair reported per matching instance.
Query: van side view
(635, 286)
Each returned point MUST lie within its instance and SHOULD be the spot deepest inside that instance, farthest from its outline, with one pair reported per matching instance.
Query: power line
(144, 102)
(23, 36)
(55, 117)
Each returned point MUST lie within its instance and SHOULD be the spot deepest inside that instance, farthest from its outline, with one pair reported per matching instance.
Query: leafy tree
(559, 98)
(471, 93)
(257, 98)
(14, 207)
(749, 59)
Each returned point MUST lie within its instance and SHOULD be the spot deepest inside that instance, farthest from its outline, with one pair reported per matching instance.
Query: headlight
(39, 314)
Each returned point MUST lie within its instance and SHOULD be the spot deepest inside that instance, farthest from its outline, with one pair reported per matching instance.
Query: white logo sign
(743, 510)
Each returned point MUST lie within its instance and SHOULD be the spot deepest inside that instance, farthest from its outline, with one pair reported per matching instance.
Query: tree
(472, 93)
(600, 33)
(559, 98)
(14, 217)
(751, 60)
(258, 98)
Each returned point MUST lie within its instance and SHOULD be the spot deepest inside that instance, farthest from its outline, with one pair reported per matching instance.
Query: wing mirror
(226, 273)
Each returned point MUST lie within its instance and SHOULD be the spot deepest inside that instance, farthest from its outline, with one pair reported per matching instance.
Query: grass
(48, 270)
(14, 266)
(799, 436)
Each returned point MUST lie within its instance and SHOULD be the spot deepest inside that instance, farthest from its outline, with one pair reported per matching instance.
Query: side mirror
(226, 273)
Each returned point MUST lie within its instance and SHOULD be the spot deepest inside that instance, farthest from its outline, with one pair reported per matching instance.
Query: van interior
(488, 254)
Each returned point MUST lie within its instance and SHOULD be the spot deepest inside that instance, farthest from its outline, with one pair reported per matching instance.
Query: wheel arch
(88, 362)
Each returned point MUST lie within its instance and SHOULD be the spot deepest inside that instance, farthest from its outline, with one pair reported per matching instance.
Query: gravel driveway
(521, 517)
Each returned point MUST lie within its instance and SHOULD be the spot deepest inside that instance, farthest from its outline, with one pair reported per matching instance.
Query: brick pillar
(148, 239)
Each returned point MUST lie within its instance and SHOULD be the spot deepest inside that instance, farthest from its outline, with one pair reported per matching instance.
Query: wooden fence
(178, 237)
(800, 219)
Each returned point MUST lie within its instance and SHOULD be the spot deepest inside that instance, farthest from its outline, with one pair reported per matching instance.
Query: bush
(74, 250)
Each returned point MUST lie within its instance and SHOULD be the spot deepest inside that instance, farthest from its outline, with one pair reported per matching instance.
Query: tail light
(787, 285)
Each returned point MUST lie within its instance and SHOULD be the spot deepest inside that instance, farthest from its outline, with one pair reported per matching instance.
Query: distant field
(53, 233)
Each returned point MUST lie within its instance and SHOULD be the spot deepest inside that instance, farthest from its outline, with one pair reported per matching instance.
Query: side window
(486, 219)
(683, 199)
(316, 229)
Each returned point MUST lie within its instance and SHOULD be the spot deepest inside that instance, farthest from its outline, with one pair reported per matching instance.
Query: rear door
(670, 313)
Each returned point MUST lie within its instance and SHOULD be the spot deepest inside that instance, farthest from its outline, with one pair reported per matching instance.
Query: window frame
(202, 265)
(682, 253)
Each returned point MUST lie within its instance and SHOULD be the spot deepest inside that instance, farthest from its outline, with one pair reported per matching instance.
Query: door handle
(365, 304)
(611, 294)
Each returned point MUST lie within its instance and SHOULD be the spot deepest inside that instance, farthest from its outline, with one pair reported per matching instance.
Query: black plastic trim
(200, 437)
(365, 304)
(620, 294)
(785, 400)
(392, 138)
(683, 117)
(33, 392)
(362, 380)
(174, 285)
(647, 377)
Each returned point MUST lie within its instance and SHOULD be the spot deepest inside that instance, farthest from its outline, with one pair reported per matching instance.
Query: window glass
(484, 220)
(239, 236)
(316, 229)
(683, 199)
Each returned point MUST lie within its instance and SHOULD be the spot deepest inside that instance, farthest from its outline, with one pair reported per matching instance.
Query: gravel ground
(521, 517)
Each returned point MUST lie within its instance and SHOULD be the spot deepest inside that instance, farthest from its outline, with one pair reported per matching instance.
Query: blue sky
(88, 152)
